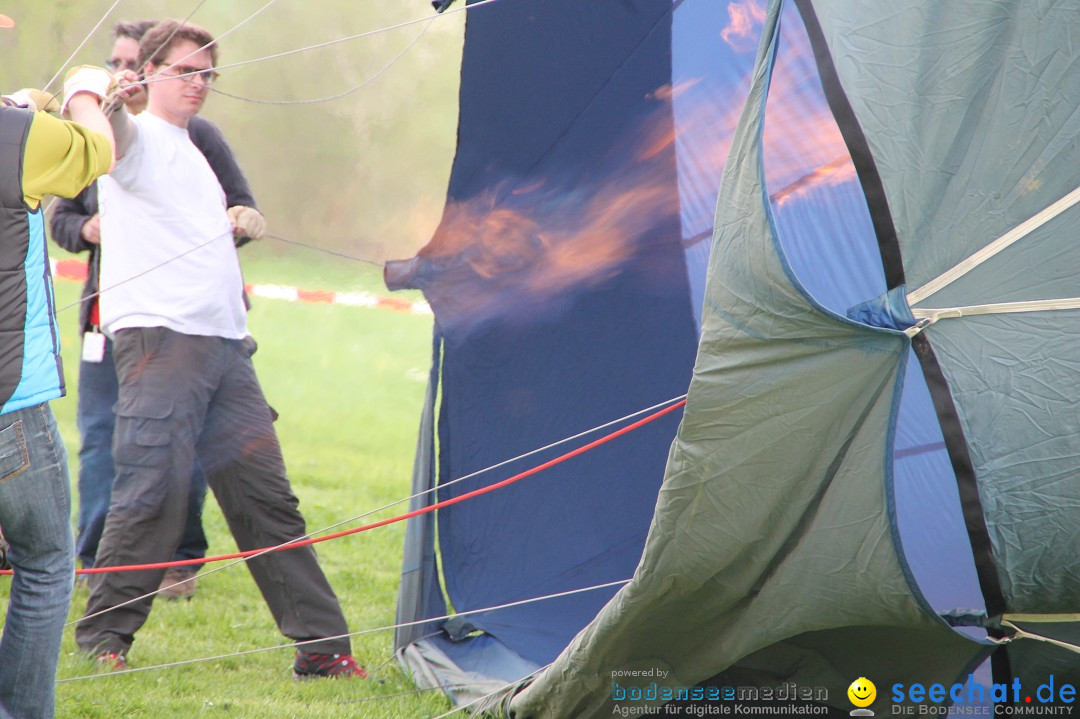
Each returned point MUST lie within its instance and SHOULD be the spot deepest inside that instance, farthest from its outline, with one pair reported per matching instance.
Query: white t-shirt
(167, 252)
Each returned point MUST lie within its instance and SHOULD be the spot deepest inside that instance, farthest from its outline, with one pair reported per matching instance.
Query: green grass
(348, 383)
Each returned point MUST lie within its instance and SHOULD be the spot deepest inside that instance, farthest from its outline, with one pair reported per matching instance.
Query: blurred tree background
(364, 174)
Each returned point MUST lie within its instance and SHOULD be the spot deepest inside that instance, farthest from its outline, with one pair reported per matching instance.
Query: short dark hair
(161, 38)
(133, 30)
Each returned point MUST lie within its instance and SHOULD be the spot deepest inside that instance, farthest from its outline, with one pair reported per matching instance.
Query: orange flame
(543, 252)
(668, 93)
(533, 241)
(744, 18)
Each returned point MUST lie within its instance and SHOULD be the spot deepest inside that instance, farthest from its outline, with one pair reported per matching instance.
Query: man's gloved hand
(87, 78)
(247, 222)
(35, 100)
(126, 89)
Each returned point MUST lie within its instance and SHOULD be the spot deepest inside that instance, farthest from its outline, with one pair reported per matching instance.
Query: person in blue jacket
(75, 226)
(39, 155)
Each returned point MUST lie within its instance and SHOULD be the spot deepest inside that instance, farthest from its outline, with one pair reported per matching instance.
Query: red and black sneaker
(112, 661)
(310, 666)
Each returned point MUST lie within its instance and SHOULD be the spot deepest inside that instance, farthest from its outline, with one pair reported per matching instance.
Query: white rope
(398, 695)
(324, 250)
(340, 95)
(1009, 238)
(554, 444)
(376, 263)
(407, 499)
(929, 316)
(444, 485)
(145, 272)
(1038, 637)
(112, 106)
(329, 43)
(293, 645)
(364, 515)
(156, 78)
(228, 32)
(80, 47)
(197, 50)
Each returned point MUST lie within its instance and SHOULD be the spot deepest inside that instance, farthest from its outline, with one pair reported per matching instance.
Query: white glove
(247, 222)
(87, 78)
(34, 100)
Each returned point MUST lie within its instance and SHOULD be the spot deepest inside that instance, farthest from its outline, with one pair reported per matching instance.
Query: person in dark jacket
(75, 226)
(39, 155)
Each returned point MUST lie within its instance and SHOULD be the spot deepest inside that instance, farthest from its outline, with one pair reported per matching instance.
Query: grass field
(348, 384)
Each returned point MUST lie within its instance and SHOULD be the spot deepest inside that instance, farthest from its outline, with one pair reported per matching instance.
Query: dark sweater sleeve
(68, 217)
(208, 138)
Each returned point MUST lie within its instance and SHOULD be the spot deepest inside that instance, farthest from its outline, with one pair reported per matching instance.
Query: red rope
(408, 515)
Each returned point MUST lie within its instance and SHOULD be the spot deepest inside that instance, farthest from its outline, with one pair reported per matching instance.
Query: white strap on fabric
(1021, 634)
(1010, 237)
(928, 316)
(1045, 618)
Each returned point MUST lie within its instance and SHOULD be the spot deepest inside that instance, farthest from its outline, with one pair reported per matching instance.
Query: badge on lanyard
(93, 347)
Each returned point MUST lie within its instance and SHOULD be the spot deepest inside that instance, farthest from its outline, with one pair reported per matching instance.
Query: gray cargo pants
(181, 396)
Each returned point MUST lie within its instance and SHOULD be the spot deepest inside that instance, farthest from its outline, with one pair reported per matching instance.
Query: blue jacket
(30, 369)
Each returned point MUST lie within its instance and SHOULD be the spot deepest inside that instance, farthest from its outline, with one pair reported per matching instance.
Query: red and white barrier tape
(70, 269)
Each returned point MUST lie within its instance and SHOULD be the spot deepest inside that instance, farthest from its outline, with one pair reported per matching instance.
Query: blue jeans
(35, 507)
(98, 390)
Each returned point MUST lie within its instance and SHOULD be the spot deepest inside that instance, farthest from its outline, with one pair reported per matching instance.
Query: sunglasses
(112, 65)
(188, 74)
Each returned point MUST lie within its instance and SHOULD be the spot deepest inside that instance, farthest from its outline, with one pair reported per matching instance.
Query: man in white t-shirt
(172, 300)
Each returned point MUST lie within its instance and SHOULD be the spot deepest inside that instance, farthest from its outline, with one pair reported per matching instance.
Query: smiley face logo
(862, 692)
